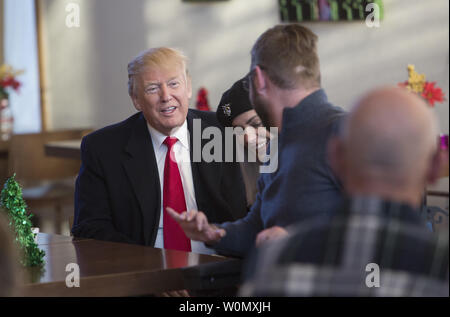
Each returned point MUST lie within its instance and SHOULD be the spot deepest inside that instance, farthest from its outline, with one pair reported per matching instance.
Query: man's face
(260, 105)
(163, 97)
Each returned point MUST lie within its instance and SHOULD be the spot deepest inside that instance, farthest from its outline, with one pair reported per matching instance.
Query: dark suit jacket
(118, 196)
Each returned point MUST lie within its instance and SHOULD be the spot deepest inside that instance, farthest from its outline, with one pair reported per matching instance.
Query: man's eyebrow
(157, 83)
(173, 78)
(152, 84)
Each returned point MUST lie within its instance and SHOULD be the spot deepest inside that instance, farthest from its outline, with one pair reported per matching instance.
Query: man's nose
(165, 93)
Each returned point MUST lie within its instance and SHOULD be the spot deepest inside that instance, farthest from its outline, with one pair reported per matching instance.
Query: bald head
(389, 138)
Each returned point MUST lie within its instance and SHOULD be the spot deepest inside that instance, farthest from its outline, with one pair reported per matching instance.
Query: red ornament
(432, 94)
(10, 82)
(202, 100)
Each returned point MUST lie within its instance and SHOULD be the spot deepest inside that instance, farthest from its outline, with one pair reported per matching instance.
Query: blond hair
(288, 54)
(159, 57)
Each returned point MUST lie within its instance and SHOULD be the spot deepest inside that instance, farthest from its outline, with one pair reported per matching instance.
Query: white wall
(355, 58)
(87, 65)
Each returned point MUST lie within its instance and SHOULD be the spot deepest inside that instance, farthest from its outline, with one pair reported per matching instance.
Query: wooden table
(118, 269)
(66, 149)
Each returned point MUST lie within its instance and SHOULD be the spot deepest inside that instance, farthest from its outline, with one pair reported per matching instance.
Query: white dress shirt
(182, 157)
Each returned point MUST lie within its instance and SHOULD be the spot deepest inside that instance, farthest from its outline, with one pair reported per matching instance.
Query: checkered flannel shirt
(337, 257)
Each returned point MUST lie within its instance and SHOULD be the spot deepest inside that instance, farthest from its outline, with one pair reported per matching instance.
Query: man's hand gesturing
(196, 227)
(270, 234)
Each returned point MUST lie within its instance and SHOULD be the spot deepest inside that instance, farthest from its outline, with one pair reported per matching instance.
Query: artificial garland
(15, 207)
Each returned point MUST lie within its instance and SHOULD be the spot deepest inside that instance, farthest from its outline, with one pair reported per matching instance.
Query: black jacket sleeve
(92, 207)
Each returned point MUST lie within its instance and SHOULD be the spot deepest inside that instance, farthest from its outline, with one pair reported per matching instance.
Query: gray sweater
(303, 186)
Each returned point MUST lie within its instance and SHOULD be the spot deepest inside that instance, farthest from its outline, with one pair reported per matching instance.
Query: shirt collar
(307, 110)
(181, 133)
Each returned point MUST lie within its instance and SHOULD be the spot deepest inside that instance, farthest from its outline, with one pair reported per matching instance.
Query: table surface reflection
(112, 269)
(65, 148)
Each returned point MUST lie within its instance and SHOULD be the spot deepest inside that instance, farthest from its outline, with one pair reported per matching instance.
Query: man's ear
(437, 166)
(136, 104)
(189, 86)
(335, 154)
(260, 80)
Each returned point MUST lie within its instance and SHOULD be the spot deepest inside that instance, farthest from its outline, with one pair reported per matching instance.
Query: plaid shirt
(370, 248)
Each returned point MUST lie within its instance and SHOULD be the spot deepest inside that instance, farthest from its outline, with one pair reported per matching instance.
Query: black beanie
(234, 101)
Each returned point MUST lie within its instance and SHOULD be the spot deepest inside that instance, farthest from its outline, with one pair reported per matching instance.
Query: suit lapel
(142, 172)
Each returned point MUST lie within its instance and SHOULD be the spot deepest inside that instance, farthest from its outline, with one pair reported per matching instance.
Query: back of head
(160, 57)
(390, 136)
(288, 53)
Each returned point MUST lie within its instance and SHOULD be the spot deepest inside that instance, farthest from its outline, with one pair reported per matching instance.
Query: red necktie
(173, 197)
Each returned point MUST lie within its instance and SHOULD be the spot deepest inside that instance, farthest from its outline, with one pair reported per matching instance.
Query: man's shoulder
(208, 118)
(313, 113)
(116, 129)
(330, 116)
(114, 135)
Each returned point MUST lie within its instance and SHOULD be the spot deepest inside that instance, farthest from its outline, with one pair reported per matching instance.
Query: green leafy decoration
(16, 209)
